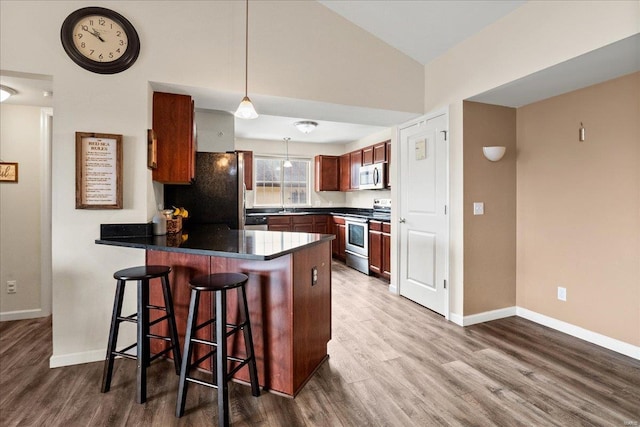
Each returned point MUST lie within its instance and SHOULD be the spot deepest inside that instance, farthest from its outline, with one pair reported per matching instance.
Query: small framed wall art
(8, 172)
(98, 171)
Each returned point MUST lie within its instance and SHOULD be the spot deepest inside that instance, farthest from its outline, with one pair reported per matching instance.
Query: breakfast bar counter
(289, 304)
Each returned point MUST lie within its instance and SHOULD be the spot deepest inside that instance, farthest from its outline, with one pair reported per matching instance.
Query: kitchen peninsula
(290, 306)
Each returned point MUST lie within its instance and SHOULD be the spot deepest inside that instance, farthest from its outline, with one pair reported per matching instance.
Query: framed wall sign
(98, 171)
(8, 172)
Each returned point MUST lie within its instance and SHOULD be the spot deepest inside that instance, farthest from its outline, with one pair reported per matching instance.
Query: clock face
(100, 40)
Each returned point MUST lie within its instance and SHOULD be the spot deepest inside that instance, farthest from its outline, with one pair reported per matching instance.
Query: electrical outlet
(562, 293)
(12, 286)
(314, 275)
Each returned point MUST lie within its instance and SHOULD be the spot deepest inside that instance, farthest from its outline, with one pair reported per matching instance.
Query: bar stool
(143, 357)
(219, 283)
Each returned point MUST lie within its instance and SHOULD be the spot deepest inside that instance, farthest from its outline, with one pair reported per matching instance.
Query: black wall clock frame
(105, 67)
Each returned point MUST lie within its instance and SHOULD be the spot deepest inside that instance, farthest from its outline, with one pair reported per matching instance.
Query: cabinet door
(375, 246)
(341, 238)
(345, 172)
(386, 250)
(303, 223)
(321, 224)
(367, 156)
(248, 169)
(327, 173)
(380, 152)
(279, 223)
(173, 125)
(355, 158)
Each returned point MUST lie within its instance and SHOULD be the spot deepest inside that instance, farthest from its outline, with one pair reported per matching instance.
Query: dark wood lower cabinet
(375, 247)
(338, 228)
(386, 250)
(290, 328)
(380, 249)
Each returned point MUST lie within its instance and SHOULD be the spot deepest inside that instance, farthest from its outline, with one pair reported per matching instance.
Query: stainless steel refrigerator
(217, 194)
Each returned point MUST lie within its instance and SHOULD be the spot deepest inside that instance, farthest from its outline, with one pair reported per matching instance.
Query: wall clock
(100, 40)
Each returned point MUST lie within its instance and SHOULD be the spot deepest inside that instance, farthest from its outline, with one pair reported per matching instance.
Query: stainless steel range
(357, 234)
(357, 243)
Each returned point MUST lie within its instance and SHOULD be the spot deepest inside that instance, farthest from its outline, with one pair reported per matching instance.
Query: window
(276, 185)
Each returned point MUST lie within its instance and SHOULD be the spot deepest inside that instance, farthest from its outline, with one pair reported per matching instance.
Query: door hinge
(445, 209)
(445, 283)
(445, 134)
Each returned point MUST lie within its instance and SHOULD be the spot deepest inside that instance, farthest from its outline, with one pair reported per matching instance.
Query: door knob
(402, 220)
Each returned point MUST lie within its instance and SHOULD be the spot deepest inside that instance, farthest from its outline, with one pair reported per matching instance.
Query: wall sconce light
(494, 153)
(306, 126)
(6, 92)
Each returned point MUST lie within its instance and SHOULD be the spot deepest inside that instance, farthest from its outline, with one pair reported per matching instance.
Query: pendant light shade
(287, 163)
(246, 109)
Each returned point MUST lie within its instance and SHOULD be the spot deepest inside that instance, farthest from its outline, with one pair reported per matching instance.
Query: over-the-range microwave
(372, 177)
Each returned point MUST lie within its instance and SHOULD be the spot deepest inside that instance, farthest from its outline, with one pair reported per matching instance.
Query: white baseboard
(578, 332)
(456, 318)
(393, 288)
(22, 314)
(77, 358)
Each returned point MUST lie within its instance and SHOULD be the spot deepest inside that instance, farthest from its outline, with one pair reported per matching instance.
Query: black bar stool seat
(143, 275)
(219, 283)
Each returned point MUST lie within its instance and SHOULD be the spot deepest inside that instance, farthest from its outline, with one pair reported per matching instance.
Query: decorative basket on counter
(174, 225)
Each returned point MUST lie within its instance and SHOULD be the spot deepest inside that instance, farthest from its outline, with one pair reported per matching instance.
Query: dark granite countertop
(259, 215)
(213, 241)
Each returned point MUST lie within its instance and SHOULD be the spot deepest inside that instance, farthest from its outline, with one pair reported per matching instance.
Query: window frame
(282, 182)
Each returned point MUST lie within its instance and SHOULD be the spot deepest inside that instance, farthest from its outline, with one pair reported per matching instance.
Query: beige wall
(535, 36)
(489, 239)
(579, 208)
(20, 256)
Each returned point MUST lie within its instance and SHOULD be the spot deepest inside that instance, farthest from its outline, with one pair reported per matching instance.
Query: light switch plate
(478, 208)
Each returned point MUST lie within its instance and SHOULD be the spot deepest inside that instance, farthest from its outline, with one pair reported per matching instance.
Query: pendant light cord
(246, 50)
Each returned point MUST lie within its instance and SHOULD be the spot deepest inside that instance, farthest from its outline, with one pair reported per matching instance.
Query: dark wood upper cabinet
(355, 158)
(345, 172)
(174, 128)
(248, 169)
(368, 156)
(380, 152)
(327, 173)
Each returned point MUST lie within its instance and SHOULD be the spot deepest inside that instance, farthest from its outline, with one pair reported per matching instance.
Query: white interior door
(424, 225)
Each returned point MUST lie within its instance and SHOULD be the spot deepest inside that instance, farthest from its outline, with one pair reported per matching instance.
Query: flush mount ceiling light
(306, 126)
(287, 163)
(245, 109)
(6, 92)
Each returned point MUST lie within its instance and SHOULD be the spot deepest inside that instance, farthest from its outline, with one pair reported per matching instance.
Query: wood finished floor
(392, 363)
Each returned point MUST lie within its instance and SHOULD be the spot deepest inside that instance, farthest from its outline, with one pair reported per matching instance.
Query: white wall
(535, 36)
(214, 131)
(20, 255)
(300, 50)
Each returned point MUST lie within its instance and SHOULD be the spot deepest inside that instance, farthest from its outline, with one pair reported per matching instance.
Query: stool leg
(143, 341)
(173, 331)
(221, 359)
(248, 343)
(186, 355)
(113, 336)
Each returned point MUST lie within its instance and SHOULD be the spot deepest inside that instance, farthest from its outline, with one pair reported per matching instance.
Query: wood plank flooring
(392, 363)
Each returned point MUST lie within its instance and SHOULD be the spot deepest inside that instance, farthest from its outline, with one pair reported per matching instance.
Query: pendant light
(287, 163)
(245, 109)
